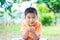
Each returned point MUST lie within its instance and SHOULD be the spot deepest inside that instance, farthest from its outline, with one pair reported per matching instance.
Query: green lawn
(51, 31)
(10, 28)
(46, 30)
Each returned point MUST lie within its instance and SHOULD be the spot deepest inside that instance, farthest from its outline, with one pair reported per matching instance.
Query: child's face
(31, 18)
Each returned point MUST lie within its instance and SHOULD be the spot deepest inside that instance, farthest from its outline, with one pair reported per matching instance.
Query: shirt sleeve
(39, 29)
(22, 28)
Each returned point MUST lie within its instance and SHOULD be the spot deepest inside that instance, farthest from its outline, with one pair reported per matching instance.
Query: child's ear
(37, 17)
(25, 17)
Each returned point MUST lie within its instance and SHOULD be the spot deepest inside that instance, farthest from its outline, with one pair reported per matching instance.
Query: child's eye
(28, 17)
(33, 17)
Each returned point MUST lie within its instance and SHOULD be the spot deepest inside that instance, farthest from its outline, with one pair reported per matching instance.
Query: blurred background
(12, 15)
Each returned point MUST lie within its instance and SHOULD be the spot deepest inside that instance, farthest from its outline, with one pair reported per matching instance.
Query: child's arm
(37, 31)
(25, 33)
(36, 37)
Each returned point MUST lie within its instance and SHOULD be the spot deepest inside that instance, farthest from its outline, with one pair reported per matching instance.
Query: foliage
(46, 9)
(1, 14)
(53, 5)
(7, 6)
(46, 16)
(2, 1)
(2, 11)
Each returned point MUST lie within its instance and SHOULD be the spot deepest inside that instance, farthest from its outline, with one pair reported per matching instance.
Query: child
(31, 28)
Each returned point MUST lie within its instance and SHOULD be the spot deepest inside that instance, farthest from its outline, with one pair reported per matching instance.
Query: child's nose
(31, 19)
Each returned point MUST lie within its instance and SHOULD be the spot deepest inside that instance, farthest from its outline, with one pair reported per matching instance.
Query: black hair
(30, 10)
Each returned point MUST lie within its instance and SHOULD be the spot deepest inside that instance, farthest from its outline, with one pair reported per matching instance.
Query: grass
(51, 31)
(10, 28)
(46, 30)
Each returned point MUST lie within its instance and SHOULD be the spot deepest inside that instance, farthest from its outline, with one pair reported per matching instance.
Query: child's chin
(31, 24)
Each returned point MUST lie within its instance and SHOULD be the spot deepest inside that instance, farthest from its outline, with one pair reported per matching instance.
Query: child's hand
(32, 29)
(28, 29)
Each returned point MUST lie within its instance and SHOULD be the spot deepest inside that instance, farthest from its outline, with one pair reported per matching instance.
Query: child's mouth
(31, 23)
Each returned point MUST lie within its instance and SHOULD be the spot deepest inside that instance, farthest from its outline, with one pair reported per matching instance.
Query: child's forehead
(31, 14)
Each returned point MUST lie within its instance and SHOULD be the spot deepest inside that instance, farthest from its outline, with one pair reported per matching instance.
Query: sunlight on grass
(46, 30)
(51, 31)
(10, 28)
